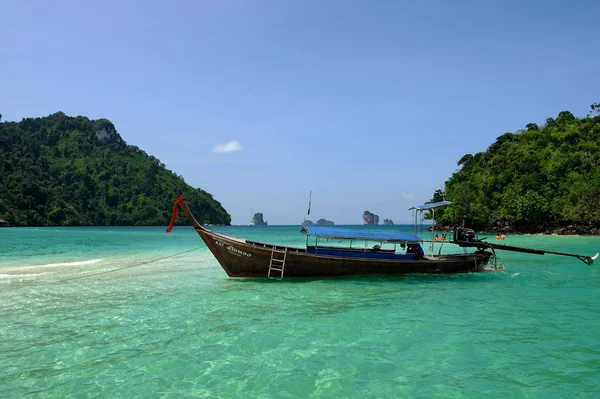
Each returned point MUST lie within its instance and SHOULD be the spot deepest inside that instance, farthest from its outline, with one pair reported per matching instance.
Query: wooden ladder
(277, 264)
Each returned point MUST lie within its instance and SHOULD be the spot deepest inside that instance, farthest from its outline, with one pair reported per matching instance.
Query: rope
(127, 267)
(117, 270)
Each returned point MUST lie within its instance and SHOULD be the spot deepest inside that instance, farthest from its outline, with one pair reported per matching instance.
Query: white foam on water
(82, 263)
(7, 276)
(65, 264)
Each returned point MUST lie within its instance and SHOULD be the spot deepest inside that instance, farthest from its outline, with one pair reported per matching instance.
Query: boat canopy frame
(336, 233)
(419, 209)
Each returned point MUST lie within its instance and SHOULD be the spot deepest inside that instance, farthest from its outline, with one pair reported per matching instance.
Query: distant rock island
(257, 220)
(324, 222)
(370, 218)
(320, 222)
(388, 221)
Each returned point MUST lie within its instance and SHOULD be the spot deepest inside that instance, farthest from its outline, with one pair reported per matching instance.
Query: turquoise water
(127, 313)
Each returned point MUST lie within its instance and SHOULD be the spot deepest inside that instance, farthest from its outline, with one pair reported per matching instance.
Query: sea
(133, 312)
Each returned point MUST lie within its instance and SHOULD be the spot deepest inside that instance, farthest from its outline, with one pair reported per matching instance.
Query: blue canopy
(424, 207)
(371, 235)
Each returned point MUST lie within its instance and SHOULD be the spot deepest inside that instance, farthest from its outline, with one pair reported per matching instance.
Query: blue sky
(368, 104)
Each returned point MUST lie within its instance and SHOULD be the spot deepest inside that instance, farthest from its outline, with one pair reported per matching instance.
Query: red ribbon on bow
(175, 213)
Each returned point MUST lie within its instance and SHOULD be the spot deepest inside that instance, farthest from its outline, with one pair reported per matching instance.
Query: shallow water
(124, 312)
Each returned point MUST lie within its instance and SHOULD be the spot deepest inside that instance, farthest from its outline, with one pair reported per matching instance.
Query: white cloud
(408, 195)
(232, 146)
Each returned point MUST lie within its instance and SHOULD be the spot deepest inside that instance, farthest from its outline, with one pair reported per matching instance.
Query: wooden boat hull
(242, 258)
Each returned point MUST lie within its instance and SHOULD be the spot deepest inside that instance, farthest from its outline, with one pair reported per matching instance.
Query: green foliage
(543, 175)
(532, 126)
(55, 171)
(532, 207)
(438, 196)
(466, 158)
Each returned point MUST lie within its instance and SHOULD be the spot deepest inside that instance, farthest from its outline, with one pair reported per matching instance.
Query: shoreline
(569, 230)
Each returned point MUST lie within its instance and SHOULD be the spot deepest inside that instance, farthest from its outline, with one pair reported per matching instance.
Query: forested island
(543, 179)
(73, 171)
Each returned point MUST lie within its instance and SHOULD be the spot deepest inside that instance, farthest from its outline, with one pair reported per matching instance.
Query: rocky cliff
(258, 220)
(388, 221)
(370, 218)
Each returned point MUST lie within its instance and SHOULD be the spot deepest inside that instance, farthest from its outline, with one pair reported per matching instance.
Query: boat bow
(181, 202)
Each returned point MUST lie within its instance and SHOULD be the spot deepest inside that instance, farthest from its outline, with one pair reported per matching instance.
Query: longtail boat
(240, 257)
(245, 258)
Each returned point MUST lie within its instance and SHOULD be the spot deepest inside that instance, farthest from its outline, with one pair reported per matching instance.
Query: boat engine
(463, 237)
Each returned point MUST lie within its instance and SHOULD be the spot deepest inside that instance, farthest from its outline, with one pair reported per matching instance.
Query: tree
(532, 207)
(55, 171)
(465, 158)
(532, 126)
(565, 117)
(547, 175)
(438, 196)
